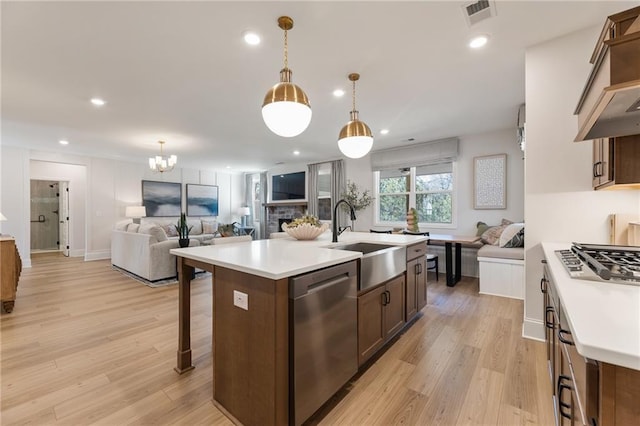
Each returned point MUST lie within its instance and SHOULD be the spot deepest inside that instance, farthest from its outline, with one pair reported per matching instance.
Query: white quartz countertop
(604, 317)
(286, 257)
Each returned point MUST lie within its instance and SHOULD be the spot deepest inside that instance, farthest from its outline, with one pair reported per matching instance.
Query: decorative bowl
(305, 231)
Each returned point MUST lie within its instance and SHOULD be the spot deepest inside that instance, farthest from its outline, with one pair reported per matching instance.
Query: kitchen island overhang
(251, 347)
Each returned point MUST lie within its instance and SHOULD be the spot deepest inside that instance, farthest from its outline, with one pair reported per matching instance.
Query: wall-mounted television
(288, 186)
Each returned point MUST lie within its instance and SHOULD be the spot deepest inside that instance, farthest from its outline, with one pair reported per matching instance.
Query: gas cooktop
(604, 263)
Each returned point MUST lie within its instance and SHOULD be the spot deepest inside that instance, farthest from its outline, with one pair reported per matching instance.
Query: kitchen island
(251, 315)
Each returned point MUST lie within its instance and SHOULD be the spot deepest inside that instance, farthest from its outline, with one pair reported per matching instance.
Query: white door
(64, 217)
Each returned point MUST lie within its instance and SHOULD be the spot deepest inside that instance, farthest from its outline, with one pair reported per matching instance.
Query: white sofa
(145, 254)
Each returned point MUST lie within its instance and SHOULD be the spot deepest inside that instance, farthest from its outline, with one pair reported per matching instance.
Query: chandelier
(286, 110)
(161, 163)
(355, 139)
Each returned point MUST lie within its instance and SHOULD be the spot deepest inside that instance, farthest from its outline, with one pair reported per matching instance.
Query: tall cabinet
(10, 268)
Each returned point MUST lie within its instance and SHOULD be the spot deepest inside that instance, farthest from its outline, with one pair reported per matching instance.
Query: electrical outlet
(241, 300)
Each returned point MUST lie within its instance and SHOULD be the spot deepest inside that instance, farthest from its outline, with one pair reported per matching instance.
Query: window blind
(434, 152)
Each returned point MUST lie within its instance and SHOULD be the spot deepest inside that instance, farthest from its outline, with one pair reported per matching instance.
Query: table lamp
(135, 212)
(244, 212)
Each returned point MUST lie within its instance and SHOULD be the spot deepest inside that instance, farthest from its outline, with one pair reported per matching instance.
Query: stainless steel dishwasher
(323, 339)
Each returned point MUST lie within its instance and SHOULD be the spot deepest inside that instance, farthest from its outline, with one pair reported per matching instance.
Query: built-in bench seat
(501, 271)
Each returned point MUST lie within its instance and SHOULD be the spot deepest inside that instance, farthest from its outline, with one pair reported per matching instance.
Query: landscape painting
(202, 200)
(162, 198)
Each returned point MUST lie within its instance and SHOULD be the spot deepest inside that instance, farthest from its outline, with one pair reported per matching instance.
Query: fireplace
(278, 213)
(283, 220)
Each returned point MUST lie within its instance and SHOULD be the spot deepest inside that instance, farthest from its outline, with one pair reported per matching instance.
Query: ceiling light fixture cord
(286, 50)
(353, 99)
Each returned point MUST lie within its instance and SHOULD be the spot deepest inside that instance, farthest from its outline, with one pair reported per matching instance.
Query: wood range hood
(610, 102)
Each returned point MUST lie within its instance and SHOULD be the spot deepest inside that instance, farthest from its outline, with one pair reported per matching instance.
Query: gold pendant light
(286, 110)
(355, 139)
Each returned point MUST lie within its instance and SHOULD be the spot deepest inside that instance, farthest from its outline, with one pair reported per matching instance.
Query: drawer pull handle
(562, 404)
(563, 339)
(547, 323)
(543, 287)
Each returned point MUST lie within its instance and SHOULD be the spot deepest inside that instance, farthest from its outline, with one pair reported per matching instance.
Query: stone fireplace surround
(276, 212)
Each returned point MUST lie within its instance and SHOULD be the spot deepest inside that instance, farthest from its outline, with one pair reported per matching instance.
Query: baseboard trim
(533, 329)
(76, 253)
(98, 255)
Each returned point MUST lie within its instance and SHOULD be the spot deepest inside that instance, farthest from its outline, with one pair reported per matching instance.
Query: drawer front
(416, 250)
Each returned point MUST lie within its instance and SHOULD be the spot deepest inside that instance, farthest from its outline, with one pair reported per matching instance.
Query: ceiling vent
(478, 11)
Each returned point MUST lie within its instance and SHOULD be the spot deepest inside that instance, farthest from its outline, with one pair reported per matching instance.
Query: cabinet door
(371, 325)
(597, 161)
(412, 302)
(395, 307)
(421, 283)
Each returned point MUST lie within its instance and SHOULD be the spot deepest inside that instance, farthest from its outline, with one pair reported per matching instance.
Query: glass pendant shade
(285, 109)
(355, 139)
(161, 163)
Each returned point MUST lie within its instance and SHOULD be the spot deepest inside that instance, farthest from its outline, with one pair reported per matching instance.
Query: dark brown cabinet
(416, 291)
(585, 391)
(615, 162)
(380, 316)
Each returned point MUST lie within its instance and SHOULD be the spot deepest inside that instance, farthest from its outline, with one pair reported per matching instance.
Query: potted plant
(183, 230)
(358, 200)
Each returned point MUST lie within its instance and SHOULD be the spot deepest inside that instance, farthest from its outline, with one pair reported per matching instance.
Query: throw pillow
(122, 225)
(506, 222)
(195, 225)
(492, 235)
(133, 227)
(209, 227)
(155, 231)
(517, 240)
(170, 230)
(509, 233)
(481, 228)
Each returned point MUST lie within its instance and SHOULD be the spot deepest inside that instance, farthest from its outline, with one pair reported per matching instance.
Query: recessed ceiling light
(296, 152)
(228, 167)
(338, 93)
(98, 101)
(384, 131)
(251, 38)
(478, 41)
(63, 142)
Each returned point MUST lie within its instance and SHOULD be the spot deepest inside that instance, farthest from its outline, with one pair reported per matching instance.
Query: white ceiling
(180, 72)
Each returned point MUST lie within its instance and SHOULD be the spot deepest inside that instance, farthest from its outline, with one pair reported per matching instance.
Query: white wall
(497, 142)
(559, 202)
(100, 189)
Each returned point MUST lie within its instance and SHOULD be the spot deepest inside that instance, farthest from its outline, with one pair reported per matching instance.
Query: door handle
(388, 296)
(543, 287)
(385, 301)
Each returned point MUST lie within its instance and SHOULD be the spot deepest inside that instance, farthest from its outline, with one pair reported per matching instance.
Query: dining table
(451, 242)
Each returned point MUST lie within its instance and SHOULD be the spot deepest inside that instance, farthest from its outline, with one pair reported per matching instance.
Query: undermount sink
(379, 263)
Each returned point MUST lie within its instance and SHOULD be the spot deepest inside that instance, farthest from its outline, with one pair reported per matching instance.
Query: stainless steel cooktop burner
(605, 263)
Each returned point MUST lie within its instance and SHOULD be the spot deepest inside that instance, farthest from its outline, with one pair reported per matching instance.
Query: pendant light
(355, 138)
(161, 163)
(286, 110)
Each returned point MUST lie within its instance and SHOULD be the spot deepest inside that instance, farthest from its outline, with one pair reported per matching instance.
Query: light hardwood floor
(86, 344)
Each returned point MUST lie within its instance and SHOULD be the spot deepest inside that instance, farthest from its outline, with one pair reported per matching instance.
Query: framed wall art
(490, 182)
(202, 200)
(162, 198)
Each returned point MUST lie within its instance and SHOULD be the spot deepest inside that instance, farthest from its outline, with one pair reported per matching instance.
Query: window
(427, 188)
